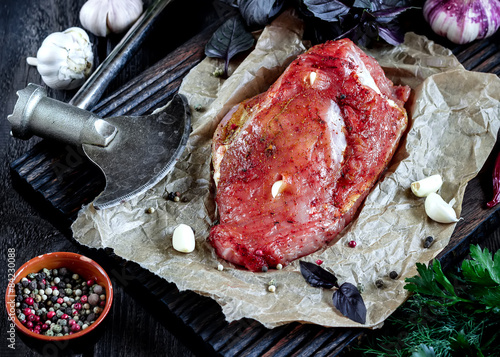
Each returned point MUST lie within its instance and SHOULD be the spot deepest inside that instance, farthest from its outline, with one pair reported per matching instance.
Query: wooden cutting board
(61, 178)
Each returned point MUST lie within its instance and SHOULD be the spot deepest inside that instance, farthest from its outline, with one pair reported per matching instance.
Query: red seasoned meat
(325, 130)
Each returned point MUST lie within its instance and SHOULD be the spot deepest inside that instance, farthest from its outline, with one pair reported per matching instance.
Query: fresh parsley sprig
(480, 281)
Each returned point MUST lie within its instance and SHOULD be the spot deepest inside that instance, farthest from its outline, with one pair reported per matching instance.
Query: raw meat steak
(326, 130)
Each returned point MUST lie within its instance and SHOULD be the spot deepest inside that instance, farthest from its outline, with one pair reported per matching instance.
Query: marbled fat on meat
(326, 129)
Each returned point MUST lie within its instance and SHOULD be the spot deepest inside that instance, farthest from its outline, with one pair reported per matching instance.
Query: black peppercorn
(63, 271)
(24, 305)
(393, 275)
(53, 298)
(91, 317)
(32, 285)
(25, 283)
(428, 242)
(379, 283)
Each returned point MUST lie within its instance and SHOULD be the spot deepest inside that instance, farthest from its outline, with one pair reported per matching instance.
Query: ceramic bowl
(76, 263)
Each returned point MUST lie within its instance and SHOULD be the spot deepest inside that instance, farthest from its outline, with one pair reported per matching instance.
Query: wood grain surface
(44, 185)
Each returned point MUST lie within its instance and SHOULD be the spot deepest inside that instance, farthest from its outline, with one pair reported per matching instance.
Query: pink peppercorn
(84, 298)
(352, 244)
(64, 316)
(77, 306)
(37, 318)
(27, 311)
(31, 318)
(29, 324)
(51, 314)
(38, 327)
(60, 300)
(75, 327)
(259, 253)
(71, 322)
(45, 327)
(319, 262)
(29, 300)
(102, 303)
(90, 282)
(24, 322)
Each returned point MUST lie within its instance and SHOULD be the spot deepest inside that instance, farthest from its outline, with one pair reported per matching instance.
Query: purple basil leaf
(365, 4)
(392, 35)
(317, 276)
(258, 13)
(228, 40)
(387, 15)
(349, 302)
(232, 3)
(327, 10)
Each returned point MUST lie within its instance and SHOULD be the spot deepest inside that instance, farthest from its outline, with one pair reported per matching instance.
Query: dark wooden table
(152, 317)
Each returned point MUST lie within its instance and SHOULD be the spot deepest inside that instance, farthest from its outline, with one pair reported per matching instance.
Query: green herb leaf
(228, 40)
(484, 258)
(424, 351)
(432, 281)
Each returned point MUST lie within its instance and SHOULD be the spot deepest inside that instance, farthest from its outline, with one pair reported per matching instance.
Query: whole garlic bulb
(65, 59)
(463, 21)
(104, 16)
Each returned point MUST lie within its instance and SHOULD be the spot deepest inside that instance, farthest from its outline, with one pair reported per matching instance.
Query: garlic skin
(424, 187)
(183, 239)
(64, 59)
(463, 21)
(438, 210)
(102, 17)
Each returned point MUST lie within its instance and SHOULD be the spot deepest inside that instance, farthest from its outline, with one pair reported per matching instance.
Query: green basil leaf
(258, 13)
(228, 40)
(349, 302)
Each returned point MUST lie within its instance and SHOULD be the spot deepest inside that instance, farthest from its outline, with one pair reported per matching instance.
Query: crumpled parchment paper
(454, 120)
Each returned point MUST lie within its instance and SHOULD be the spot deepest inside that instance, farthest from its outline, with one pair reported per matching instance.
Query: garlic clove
(183, 239)
(423, 187)
(277, 188)
(438, 210)
(102, 17)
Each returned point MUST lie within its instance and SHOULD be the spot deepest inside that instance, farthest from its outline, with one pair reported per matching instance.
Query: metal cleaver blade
(134, 153)
(144, 150)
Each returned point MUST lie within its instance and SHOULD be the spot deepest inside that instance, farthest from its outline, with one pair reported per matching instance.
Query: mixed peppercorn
(58, 302)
